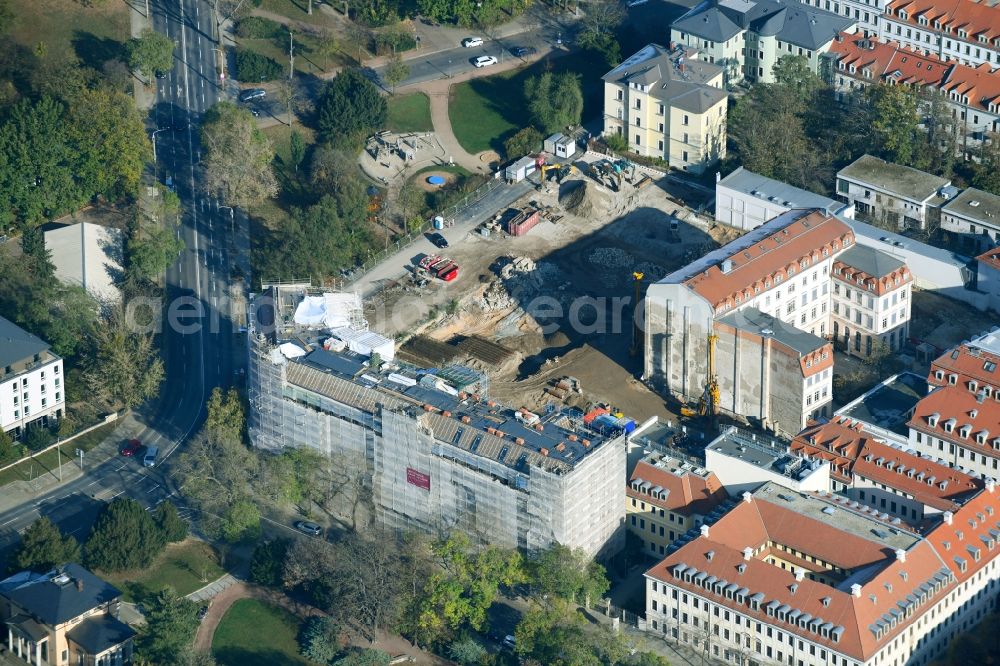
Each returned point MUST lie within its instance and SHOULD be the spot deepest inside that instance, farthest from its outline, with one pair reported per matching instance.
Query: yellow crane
(708, 404)
(637, 278)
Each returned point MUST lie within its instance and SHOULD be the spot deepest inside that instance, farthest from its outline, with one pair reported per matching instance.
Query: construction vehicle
(564, 172)
(604, 173)
(440, 267)
(637, 333)
(708, 403)
(544, 169)
(624, 168)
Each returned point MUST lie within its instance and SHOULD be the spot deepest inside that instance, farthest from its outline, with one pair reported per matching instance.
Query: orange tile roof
(688, 493)
(967, 362)
(853, 451)
(973, 526)
(779, 254)
(991, 258)
(883, 285)
(720, 554)
(968, 418)
(974, 17)
(980, 84)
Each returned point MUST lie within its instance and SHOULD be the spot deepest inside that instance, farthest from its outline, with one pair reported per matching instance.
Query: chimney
(948, 516)
(747, 497)
(990, 485)
(704, 530)
(900, 554)
(856, 590)
(709, 555)
(800, 573)
(747, 553)
(79, 585)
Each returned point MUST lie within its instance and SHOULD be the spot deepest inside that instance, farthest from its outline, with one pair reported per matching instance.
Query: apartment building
(871, 301)
(747, 37)
(881, 475)
(745, 200)
(64, 617)
(669, 104)
(766, 300)
(435, 451)
(897, 195)
(866, 13)
(807, 580)
(745, 460)
(988, 271)
(666, 497)
(31, 376)
(959, 425)
(972, 364)
(963, 30)
(973, 219)
(972, 94)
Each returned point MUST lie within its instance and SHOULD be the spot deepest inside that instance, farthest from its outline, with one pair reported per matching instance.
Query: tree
(267, 565)
(467, 651)
(190, 657)
(38, 258)
(569, 574)
(150, 53)
(296, 149)
(9, 450)
(124, 537)
(794, 72)
(241, 522)
(396, 70)
(599, 25)
(126, 368)
(7, 16)
(894, 121)
(525, 142)
(253, 66)
(986, 169)
(350, 108)
(171, 624)
(554, 100)
(355, 656)
(171, 526)
(319, 639)
(153, 249)
(239, 155)
(225, 418)
(43, 547)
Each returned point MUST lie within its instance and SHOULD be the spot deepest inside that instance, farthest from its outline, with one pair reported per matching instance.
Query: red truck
(442, 267)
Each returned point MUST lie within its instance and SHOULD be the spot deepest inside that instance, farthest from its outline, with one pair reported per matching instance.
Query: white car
(469, 42)
(485, 61)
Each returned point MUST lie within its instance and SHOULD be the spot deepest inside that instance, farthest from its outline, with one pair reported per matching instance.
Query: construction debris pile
(521, 280)
(578, 198)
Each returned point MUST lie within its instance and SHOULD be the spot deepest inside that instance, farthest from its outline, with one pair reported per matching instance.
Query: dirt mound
(578, 198)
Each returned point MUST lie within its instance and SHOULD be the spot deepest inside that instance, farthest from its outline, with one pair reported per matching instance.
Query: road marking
(9, 521)
(155, 486)
(118, 493)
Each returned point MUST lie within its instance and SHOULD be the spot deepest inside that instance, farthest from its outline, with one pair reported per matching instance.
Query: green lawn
(296, 10)
(66, 28)
(486, 111)
(410, 113)
(253, 633)
(186, 566)
(48, 462)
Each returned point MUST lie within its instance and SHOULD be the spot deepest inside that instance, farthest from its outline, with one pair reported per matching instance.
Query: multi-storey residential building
(964, 30)
(788, 578)
(901, 196)
(747, 37)
(64, 617)
(871, 300)
(670, 105)
(666, 497)
(971, 93)
(973, 217)
(866, 13)
(764, 301)
(746, 200)
(31, 389)
(988, 270)
(960, 426)
(973, 364)
(884, 476)
(435, 451)
(745, 460)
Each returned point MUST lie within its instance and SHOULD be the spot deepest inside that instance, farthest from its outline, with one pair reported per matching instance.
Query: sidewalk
(145, 95)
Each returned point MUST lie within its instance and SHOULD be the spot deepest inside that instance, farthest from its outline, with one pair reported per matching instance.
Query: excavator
(708, 403)
(624, 168)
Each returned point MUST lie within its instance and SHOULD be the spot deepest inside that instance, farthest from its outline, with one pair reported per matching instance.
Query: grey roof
(889, 404)
(100, 633)
(763, 187)
(986, 208)
(900, 180)
(17, 345)
(677, 77)
(869, 260)
(55, 597)
(89, 255)
(792, 22)
(762, 324)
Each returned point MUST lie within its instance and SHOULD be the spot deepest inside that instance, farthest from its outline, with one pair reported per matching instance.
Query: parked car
(161, 75)
(523, 51)
(469, 42)
(131, 447)
(251, 94)
(312, 529)
(202, 612)
(149, 459)
(438, 240)
(508, 642)
(485, 61)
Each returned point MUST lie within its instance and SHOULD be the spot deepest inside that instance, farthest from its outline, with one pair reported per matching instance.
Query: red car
(131, 447)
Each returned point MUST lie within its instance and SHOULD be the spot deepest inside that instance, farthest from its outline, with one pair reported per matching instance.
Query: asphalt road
(202, 351)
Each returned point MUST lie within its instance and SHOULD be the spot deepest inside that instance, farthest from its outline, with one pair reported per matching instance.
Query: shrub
(525, 142)
(616, 142)
(254, 67)
(394, 41)
(257, 27)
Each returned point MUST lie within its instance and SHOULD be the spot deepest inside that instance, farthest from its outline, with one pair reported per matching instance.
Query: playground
(390, 156)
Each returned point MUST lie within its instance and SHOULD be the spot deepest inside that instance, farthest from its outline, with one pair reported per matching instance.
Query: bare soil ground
(428, 187)
(943, 322)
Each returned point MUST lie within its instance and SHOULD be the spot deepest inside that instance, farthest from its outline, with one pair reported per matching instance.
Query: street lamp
(152, 138)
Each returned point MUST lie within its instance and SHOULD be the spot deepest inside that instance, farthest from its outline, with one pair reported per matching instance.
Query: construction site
(543, 301)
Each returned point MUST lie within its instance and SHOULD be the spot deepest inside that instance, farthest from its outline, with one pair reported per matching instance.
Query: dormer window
(965, 431)
(952, 379)
(932, 420)
(949, 425)
(939, 375)
(981, 436)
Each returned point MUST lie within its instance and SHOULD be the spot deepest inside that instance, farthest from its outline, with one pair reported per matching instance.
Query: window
(686, 120)
(637, 142)
(621, 94)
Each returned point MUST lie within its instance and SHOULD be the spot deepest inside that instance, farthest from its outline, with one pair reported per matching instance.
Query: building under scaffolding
(437, 452)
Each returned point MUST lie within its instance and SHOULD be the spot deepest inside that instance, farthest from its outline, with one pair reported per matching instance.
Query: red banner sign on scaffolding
(418, 479)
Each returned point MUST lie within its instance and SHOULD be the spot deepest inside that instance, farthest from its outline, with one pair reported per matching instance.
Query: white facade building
(974, 218)
(903, 196)
(746, 200)
(31, 380)
(962, 30)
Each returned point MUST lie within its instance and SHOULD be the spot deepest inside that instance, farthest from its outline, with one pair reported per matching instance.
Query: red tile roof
(852, 451)
(976, 18)
(882, 285)
(974, 526)
(955, 414)
(688, 493)
(991, 258)
(967, 362)
(779, 254)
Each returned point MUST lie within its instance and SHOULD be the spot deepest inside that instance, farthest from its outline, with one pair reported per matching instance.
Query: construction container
(520, 170)
(589, 417)
(560, 145)
(522, 223)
